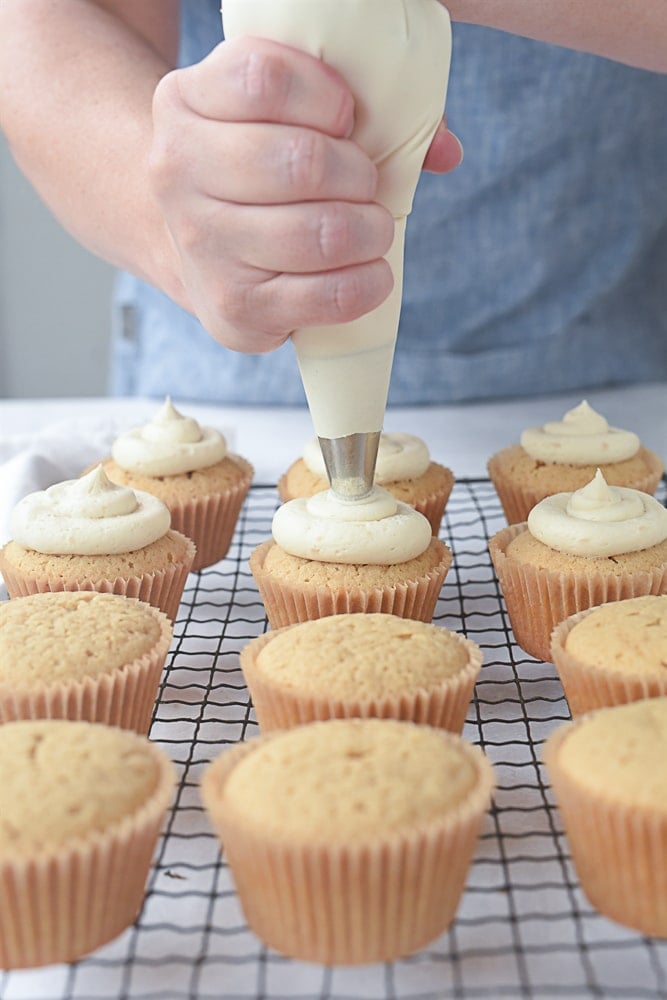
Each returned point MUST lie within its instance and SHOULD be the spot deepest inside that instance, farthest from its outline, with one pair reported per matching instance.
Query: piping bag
(395, 56)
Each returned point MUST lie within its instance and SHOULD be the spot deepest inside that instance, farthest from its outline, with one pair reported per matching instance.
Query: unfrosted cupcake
(600, 543)
(81, 807)
(613, 654)
(564, 455)
(88, 656)
(404, 468)
(347, 666)
(330, 556)
(90, 534)
(190, 469)
(609, 774)
(349, 840)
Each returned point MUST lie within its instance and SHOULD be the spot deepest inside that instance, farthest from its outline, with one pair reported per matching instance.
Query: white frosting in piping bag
(582, 437)
(400, 456)
(168, 445)
(377, 530)
(599, 520)
(395, 56)
(88, 516)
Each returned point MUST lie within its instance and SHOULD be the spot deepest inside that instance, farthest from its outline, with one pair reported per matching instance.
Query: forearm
(76, 86)
(629, 31)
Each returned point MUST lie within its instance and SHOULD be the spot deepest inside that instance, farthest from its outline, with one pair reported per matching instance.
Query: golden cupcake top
(629, 636)
(365, 656)
(64, 637)
(62, 781)
(619, 753)
(350, 780)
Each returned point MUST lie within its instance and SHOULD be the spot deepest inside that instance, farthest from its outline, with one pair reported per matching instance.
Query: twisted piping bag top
(394, 55)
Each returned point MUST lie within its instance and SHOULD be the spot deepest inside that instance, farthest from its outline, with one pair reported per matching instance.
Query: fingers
(445, 152)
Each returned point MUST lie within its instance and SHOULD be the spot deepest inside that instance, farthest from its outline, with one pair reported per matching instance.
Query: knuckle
(305, 161)
(264, 77)
(333, 234)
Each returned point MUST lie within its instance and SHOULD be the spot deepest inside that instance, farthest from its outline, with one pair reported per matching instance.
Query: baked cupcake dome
(563, 456)
(81, 655)
(349, 840)
(73, 883)
(613, 654)
(361, 666)
(608, 770)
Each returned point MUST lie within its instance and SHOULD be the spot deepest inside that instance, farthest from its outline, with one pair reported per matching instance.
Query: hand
(269, 203)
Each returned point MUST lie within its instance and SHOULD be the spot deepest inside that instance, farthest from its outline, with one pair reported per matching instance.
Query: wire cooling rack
(524, 927)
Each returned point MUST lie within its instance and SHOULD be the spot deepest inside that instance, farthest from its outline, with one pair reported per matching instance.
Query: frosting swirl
(170, 444)
(400, 456)
(376, 530)
(599, 520)
(88, 516)
(582, 437)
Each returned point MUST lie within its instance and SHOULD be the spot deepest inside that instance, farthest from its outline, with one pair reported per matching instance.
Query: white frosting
(599, 520)
(395, 56)
(582, 437)
(88, 516)
(376, 530)
(168, 445)
(400, 456)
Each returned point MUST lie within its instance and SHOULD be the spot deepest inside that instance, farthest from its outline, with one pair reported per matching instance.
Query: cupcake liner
(64, 904)
(279, 707)
(619, 851)
(288, 604)
(537, 599)
(162, 588)
(518, 500)
(354, 903)
(210, 521)
(124, 697)
(587, 688)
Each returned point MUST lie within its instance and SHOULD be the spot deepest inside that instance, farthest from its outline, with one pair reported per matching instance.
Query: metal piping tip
(350, 463)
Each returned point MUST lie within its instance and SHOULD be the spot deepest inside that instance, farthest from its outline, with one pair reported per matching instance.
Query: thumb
(445, 152)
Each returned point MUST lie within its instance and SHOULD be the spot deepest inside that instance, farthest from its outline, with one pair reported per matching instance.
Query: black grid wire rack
(524, 927)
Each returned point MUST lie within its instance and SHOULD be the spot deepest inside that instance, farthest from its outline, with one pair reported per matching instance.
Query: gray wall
(54, 300)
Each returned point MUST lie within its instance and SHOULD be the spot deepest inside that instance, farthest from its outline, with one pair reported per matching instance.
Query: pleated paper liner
(537, 599)
(619, 850)
(162, 588)
(61, 905)
(281, 707)
(123, 697)
(517, 500)
(287, 604)
(210, 521)
(356, 903)
(587, 688)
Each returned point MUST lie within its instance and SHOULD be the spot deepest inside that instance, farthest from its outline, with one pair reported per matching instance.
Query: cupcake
(90, 534)
(613, 654)
(404, 468)
(330, 556)
(87, 656)
(81, 807)
(349, 840)
(347, 666)
(189, 468)
(608, 770)
(563, 456)
(600, 543)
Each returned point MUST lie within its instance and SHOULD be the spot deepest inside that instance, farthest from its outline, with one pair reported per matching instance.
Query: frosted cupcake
(88, 656)
(404, 468)
(564, 455)
(190, 469)
(81, 808)
(609, 774)
(330, 556)
(347, 666)
(600, 543)
(90, 534)
(613, 654)
(349, 840)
